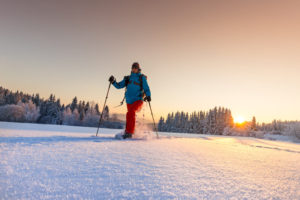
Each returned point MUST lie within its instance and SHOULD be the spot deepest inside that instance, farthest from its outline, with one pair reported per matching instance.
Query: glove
(112, 79)
(147, 98)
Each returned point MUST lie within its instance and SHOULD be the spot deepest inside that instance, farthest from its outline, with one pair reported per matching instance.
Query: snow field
(65, 162)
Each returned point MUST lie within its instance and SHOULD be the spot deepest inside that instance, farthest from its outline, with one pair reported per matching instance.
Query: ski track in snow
(65, 162)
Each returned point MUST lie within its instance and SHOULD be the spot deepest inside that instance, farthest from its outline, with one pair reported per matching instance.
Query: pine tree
(228, 118)
(274, 125)
(106, 113)
(36, 100)
(253, 124)
(81, 115)
(87, 107)
(73, 104)
(202, 123)
(97, 109)
(50, 111)
(161, 124)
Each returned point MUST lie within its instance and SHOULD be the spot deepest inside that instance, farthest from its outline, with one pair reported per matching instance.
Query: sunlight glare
(239, 120)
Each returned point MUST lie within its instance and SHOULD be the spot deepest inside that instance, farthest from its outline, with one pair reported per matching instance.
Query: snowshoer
(137, 90)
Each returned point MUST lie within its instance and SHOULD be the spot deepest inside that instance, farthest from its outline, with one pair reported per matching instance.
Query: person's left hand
(147, 98)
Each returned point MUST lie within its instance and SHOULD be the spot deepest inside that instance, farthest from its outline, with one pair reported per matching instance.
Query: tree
(22, 112)
(12, 113)
(31, 111)
(69, 117)
(106, 113)
(87, 107)
(212, 122)
(73, 104)
(161, 124)
(50, 111)
(36, 100)
(91, 118)
(253, 124)
(97, 109)
(81, 115)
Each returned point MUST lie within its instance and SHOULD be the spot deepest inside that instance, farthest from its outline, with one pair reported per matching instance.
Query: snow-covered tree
(161, 124)
(50, 111)
(212, 122)
(69, 117)
(106, 113)
(12, 113)
(74, 104)
(97, 109)
(91, 117)
(31, 111)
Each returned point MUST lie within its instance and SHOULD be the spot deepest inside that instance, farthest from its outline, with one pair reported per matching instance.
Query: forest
(20, 107)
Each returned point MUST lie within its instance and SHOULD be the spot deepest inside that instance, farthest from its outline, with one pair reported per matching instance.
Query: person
(137, 90)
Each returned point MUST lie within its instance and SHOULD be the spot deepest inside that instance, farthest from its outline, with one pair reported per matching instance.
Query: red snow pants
(130, 116)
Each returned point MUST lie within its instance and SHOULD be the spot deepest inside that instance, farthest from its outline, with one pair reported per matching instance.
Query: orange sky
(243, 55)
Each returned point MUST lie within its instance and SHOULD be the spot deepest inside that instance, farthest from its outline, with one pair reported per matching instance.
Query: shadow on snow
(54, 139)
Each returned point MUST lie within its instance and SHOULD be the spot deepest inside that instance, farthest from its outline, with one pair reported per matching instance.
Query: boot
(127, 135)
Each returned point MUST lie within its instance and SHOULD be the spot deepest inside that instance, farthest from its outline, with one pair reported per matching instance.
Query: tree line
(213, 121)
(20, 107)
(219, 121)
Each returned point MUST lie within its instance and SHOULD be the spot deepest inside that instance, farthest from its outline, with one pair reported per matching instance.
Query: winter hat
(136, 65)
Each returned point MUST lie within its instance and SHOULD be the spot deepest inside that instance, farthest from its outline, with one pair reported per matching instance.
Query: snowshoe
(121, 136)
(127, 135)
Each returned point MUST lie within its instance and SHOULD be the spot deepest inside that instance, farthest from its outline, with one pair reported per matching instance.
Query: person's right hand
(112, 79)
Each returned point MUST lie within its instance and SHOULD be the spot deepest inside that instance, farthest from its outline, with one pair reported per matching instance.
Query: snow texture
(66, 162)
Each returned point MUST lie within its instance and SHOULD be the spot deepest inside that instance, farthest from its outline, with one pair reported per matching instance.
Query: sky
(239, 54)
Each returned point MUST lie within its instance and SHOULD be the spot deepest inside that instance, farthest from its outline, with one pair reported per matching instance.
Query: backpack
(127, 81)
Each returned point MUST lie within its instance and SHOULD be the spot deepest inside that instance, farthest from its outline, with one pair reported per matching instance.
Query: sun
(239, 120)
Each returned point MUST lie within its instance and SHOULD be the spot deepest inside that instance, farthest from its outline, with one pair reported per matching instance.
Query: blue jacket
(133, 92)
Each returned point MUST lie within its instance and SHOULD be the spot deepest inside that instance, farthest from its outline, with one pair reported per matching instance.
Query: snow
(286, 138)
(66, 162)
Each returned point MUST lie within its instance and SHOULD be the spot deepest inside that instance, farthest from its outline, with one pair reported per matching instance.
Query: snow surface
(65, 162)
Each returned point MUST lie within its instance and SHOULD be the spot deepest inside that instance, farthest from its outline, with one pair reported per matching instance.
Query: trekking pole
(153, 120)
(103, 109)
